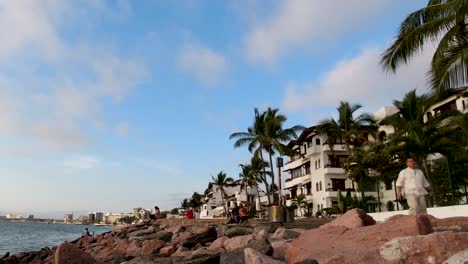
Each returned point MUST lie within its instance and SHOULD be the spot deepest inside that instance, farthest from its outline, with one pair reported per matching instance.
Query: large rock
(133, 249)
(67, 253)
(340, 244)
(237, 242)
(201, 235)
(449, 221)
(254, 257)
(279, 248)
(151, 247)
(218, 245)
(354, 218)
(161, 235)
(432, 248)
(237, 231)
(202, 256)
(261, 245)
(167, 250)
(458, 258)
(233, 257)
(139, 233)
(282, 233)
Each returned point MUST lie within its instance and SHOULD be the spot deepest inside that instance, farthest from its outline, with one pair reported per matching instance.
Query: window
(309, 143)
(317, 141)
(307, 168)
(382, 136)
(388, 185)
(338, 184)
(315, 164)
(305, 148)
(295, 173)
(319, 163)
(463, 105)
(318, 207)
(309, 188)
(316, 187)
(320, 184)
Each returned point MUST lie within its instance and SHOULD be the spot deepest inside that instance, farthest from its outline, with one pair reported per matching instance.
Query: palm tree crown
(222, 180)
(443, 21)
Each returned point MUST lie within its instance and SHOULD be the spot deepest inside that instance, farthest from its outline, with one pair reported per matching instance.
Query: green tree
(416, 138)
(196, 200)
(276, 137)
(352, 131)
(254, 139)
(185, 203)
(252, 173)
(443, 21)
(175, 211)
(299, 202)
(222, 180)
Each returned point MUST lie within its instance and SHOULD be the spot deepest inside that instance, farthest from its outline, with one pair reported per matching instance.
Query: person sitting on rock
(85, 233)
(156, 215)
(235, 213)
(231, 219)
(243, 214)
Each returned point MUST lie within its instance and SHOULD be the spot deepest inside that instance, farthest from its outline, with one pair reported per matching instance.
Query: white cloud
(204, 64)
(122, 129)
(359, 80)
(82, 162)
(297, 23)
(52, 110)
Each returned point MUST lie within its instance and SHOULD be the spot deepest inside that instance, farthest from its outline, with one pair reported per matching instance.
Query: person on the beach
(157, 214)
(85, 233)
(235, 213)
(243, 214)
(197, 214)
(230, 219)
(189, 214)
(412, 184)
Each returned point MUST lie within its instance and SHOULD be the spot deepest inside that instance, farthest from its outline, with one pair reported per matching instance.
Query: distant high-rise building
(99, 217)
(30, 217)
(91, 218)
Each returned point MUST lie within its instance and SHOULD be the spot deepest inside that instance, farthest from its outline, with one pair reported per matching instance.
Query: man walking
(412, 184)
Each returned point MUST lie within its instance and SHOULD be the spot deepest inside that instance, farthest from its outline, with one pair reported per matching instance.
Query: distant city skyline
(109, 105)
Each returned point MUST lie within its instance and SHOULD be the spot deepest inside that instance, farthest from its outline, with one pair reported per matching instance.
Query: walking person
(235, 213)
(412, 184)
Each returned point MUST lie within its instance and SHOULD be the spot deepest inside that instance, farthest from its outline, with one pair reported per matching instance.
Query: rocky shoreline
(352, 238)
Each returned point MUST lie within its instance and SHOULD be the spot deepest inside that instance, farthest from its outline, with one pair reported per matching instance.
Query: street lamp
(279, 164)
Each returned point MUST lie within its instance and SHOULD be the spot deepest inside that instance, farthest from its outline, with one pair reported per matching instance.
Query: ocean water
(19, 237)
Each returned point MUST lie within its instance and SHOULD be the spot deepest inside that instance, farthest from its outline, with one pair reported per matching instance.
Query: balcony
(316, 149)
(291, 182)
(293, 164)
(333, 169)
(336, 147)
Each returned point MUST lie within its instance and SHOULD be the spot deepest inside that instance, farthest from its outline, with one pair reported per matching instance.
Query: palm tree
(252, 174)
(254, 139)
(267, 134)
(352, 130)
(348, 129)
(299, 202)
(443, 21)
(222, 180)
(185, 203)
(417, 138)
(276, 137)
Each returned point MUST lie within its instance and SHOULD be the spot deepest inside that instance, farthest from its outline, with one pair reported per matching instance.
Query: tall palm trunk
(258, 196)
(427, 173)
(264, 176)
(222, 199)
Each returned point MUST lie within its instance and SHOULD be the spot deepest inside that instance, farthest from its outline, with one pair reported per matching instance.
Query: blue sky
(108, 105)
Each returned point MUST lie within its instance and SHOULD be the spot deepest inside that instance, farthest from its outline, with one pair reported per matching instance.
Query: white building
(233, 193)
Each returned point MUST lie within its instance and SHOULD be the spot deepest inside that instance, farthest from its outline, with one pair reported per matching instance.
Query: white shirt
(412, 181)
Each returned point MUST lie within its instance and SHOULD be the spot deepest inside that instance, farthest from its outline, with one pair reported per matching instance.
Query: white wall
(439, 212)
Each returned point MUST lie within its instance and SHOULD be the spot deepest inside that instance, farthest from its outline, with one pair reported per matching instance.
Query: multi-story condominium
(457, 101)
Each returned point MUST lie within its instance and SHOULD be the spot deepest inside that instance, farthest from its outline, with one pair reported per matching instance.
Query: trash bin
(288, 214)
(276, 214)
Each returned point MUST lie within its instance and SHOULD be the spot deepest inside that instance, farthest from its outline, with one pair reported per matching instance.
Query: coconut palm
(300, 202)
(254, 138)
(443, 22)
(266, 134)
(252, 174)
(276, 137)
(222, 180)
(185, 203)
(417, 138)
(347, 128)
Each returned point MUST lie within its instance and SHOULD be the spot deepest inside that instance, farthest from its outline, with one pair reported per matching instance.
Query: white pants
(417, 204)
